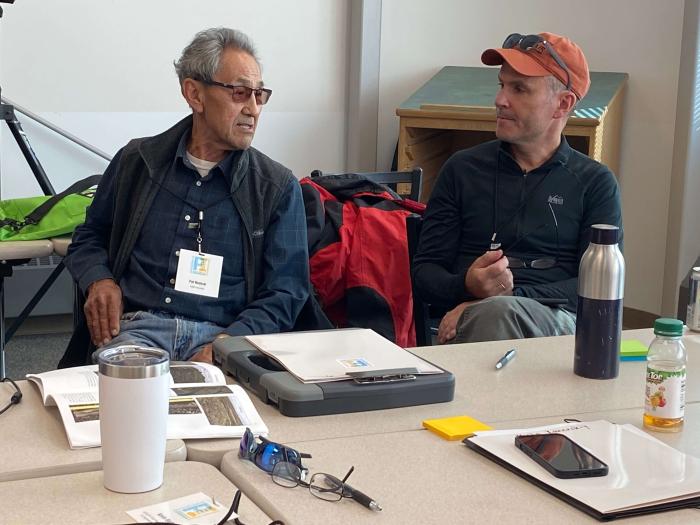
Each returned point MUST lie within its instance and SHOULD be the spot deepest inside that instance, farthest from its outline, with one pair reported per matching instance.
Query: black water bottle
(601, 284)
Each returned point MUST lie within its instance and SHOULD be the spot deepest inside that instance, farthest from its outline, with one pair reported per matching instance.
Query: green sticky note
(632, 348)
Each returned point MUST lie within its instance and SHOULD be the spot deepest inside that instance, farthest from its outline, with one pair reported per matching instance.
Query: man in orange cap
(508, 220)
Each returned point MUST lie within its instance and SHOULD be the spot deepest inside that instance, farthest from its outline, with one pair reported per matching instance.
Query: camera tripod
(8, 115)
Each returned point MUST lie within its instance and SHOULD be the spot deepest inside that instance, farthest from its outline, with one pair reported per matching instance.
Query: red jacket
(359, 255)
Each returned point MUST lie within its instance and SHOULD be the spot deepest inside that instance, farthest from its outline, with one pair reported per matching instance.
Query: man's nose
(251, 106)
(501, 99)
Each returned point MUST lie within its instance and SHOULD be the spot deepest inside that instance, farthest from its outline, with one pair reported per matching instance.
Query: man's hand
(489, 275)
(103, 309)
(448, 326)
(206, 354)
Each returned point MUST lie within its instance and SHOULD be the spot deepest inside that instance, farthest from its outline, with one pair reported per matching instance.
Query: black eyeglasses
(528, 43)
(223, 521)
(543, 263)
(242, 93)
(323, 486)
(267, 454)
(234, 508)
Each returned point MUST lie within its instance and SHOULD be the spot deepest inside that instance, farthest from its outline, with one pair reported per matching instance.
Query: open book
(645, 475)
(202, 405)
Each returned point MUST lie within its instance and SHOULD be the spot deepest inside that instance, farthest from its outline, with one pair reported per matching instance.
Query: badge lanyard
(200, 212)
(199, 231)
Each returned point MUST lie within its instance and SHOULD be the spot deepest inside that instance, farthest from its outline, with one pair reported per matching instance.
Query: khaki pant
(508, 317)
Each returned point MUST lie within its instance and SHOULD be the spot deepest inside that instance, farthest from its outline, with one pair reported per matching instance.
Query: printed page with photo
(201, 404)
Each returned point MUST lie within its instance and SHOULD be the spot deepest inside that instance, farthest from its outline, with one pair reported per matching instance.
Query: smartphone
(561, 456)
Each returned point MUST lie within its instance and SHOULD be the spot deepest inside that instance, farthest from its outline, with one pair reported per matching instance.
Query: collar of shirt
(228, 166)
(560, 157)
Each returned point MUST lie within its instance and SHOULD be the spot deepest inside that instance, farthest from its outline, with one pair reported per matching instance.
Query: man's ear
(194, 94)
(567, 101)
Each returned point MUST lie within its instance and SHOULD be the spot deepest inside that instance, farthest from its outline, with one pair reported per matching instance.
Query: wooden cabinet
(455, 110)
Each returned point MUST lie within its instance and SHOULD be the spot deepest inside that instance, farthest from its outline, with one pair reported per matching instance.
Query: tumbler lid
(604, 234)
(669, 327)
(133, 362)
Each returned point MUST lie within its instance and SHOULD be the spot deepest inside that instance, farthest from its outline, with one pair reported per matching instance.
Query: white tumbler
(134, 388)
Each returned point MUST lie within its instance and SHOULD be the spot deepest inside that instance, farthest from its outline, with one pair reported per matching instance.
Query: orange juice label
(665, 393)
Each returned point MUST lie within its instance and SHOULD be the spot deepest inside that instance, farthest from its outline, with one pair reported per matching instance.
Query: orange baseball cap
(537, 60)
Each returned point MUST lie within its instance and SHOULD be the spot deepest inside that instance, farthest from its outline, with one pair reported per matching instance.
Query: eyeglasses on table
(324, 486)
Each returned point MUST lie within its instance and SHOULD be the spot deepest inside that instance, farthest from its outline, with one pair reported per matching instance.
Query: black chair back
(421, 310)
(390, 179)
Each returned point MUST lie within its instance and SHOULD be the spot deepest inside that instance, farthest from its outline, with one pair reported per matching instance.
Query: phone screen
(561, 456)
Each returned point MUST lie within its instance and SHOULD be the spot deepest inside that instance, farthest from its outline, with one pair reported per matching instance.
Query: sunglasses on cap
(528, 43)
(266, 454)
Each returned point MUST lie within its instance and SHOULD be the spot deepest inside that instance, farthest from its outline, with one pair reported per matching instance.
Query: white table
(539, 381)
(61, 244)
(80, 498)
(34, 442)
(418, 477)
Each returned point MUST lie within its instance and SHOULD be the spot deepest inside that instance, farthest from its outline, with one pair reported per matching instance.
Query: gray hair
(200, 59)
(557, 86)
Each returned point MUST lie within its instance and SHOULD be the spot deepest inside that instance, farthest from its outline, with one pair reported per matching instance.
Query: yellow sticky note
(454, 428)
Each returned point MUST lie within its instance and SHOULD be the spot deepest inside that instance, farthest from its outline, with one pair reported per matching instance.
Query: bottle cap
(667, 326)
(604, 234)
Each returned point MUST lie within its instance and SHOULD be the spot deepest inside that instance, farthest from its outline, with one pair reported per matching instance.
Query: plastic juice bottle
(666, 363)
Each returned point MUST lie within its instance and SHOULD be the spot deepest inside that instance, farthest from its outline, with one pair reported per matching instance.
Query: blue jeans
(507, 317)
(179, 336)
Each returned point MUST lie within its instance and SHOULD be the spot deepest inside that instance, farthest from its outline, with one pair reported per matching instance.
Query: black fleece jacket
(482, 190)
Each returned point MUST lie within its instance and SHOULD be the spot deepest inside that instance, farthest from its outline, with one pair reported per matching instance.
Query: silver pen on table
(503, 361)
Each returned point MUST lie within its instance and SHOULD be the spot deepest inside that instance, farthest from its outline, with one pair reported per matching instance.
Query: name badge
(199, 273)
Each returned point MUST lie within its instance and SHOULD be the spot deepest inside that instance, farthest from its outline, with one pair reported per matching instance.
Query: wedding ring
(502, 285)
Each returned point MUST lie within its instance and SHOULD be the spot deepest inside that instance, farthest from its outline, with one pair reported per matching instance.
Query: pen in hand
(510, 354)
(362, 499)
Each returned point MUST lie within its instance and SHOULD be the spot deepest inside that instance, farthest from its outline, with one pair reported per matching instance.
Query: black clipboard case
(600, 516)
(274, 385)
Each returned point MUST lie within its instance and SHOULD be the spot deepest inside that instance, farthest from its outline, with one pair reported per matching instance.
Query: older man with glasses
(193, 234)
(508, 220)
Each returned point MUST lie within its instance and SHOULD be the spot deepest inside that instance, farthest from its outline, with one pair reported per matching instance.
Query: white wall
(639, 37)
(683, 241)
(103, 71)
